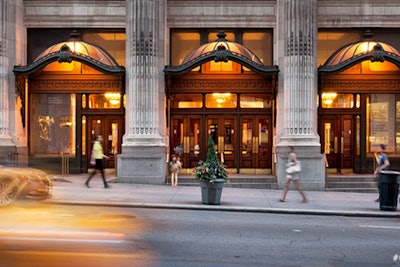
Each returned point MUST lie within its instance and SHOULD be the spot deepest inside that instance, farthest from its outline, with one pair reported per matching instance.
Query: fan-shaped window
(221, 42)
(358, 49)
(83, 49)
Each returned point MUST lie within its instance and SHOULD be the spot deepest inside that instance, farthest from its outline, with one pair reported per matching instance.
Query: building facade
(160, 77)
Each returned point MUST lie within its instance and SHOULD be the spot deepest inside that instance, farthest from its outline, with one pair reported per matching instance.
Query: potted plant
(212, 175)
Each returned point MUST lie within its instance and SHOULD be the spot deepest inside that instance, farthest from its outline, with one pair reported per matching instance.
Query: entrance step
(237, 181)
(358, 183)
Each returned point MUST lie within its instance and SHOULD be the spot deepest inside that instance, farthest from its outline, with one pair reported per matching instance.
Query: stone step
(351, 183)
(353, 189)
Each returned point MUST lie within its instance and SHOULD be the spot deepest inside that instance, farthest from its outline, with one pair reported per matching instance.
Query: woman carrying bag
(293, 169)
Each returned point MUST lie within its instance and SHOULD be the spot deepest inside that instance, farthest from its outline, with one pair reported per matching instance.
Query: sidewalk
(71, 190)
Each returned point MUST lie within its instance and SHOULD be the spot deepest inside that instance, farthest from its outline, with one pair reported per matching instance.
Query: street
(41, 234)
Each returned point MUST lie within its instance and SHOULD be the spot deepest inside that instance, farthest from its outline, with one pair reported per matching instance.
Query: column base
(141, 164)
(312, 176)
(6, 147)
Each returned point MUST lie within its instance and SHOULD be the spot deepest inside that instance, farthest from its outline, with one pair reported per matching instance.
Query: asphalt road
(39, 234)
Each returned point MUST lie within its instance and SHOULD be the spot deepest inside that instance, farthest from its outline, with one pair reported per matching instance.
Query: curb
(231, 209)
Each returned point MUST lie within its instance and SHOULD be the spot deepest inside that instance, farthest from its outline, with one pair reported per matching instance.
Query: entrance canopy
(354, 53)
(221, 50)
(77, 50)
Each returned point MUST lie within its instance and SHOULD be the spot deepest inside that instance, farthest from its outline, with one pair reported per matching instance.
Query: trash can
(388, 190)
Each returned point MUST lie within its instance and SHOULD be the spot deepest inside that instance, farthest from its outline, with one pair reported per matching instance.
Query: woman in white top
(292, 176)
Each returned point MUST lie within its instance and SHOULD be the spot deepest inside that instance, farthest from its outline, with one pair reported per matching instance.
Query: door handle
(341, 145)
(186, 144)
(220, 144)
(335, 146)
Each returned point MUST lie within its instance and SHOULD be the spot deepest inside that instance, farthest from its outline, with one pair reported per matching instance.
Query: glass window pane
(186, 101)
(212, 36)
(52, 123)
(260, 43)
(112, 42)
(331, 40)
(334, 100)
(105, 101)
(381, 122)
(255, 101)
(221, 100)
(182, 43)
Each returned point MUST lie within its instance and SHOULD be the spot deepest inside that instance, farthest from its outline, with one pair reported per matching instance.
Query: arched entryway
(72, 92)
(358, 99)
(223, 91)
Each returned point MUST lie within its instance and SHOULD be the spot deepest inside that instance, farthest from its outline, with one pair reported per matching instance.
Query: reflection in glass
(52, 123)
(194, 137)
(186, 101)
(334, 100)
(247, 137)
(255, 101)
(221, 100)
(109, 100)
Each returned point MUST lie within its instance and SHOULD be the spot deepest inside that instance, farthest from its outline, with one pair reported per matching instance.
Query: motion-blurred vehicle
(18, 182)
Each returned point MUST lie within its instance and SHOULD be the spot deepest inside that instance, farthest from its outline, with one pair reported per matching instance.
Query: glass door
(255, 144)
(222, 129)
(110, 127)
(337, 140)
(186, 141)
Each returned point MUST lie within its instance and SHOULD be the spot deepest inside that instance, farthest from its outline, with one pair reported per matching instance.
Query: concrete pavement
(71, 190)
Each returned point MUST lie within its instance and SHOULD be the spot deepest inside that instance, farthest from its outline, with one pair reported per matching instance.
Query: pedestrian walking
(293, 169)
(383, 164)
(98, 155)
(174, 165)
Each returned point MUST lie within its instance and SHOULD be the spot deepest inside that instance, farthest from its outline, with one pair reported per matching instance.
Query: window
(334, 100)
(221, 100)
(182, 43)
(383, 122)
(186, 101)
(109, 100)
(255, 101)
(52, 123)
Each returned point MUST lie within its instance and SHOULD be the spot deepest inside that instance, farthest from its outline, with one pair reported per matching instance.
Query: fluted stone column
(297, 94)
(7, 99)
(144, 149)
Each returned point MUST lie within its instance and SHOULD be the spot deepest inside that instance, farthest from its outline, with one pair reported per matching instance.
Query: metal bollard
(64, 164)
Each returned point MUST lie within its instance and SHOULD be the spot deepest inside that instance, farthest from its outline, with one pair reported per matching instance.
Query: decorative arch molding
(377, 54)
(221, 54)
(66, 55)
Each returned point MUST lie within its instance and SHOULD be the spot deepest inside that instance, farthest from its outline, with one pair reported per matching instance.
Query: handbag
(294, 168)
(92, 160)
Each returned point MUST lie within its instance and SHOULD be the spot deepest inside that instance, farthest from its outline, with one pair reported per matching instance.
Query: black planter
(211, 193)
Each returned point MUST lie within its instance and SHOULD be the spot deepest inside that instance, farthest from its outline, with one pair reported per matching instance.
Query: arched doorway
(72, 92)
(358, 97)
(223, 91)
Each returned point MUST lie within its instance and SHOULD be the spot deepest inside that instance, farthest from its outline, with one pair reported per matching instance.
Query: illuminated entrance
(229, 97)
(358, 106)
(74, 92)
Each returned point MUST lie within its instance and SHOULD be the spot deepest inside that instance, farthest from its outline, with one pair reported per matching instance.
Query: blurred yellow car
(16, 182)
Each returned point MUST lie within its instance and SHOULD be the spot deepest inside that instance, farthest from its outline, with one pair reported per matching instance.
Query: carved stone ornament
(65, 54)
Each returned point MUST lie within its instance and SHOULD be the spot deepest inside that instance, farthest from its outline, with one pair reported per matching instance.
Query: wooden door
(111, 129)
(338, 142)
(255, 143)
(186, 140)
(222, 129)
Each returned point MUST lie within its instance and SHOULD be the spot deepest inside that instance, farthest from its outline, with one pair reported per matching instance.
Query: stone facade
(147, 22)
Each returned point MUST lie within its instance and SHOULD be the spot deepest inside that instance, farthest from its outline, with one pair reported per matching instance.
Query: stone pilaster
(7, 100)
(144, 149)
(297, 94)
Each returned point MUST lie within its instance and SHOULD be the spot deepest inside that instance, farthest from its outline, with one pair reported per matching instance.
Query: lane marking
(379, 226)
